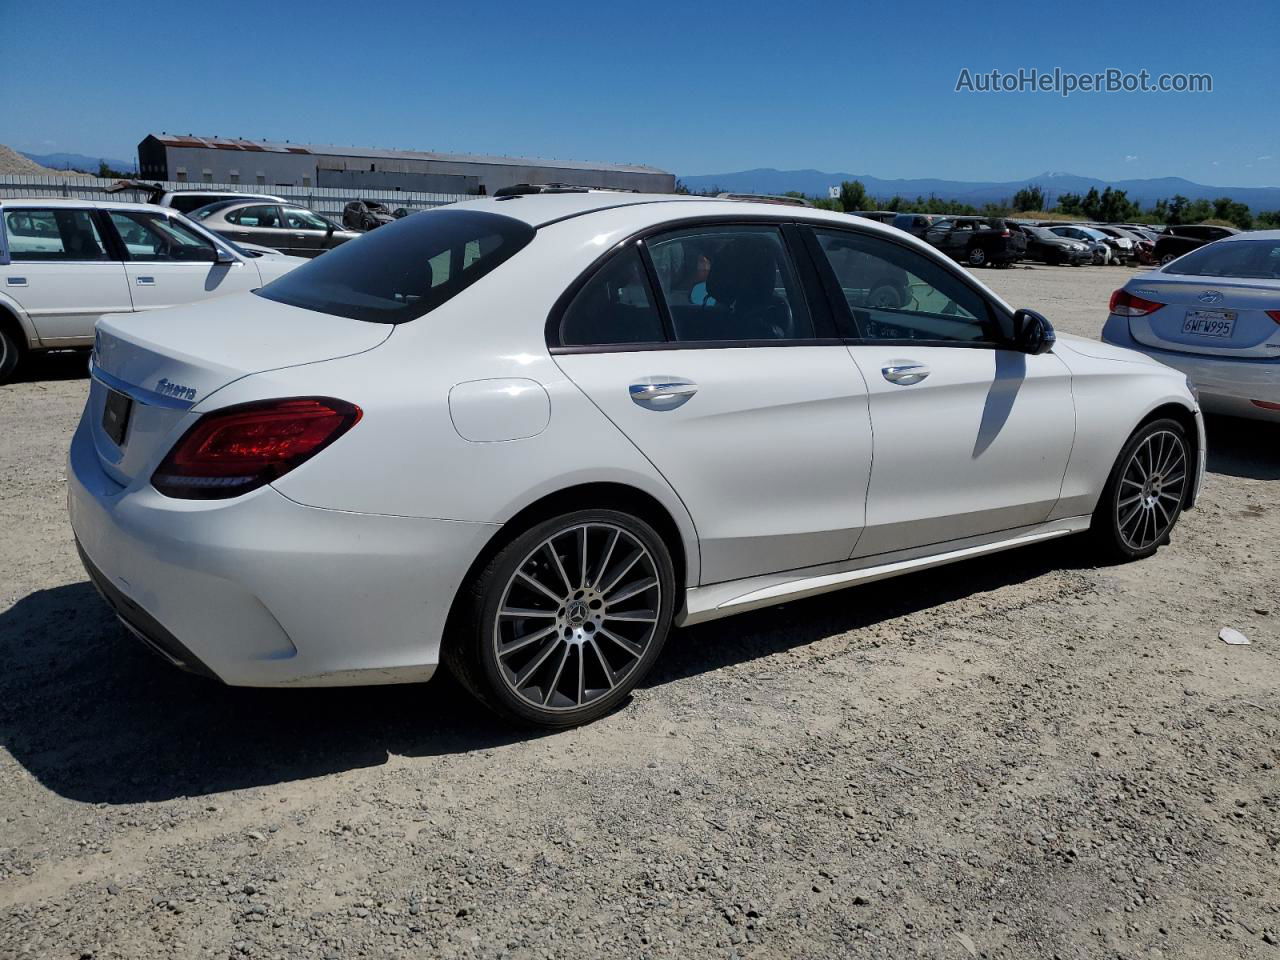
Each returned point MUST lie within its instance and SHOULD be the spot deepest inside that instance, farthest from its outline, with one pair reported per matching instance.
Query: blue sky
(862, 87)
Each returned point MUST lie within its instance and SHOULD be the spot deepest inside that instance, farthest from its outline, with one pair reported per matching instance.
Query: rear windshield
(1239, 258)
(401, 271)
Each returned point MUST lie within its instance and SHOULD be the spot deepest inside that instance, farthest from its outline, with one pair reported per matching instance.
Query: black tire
(1113, 527)
(472, 654)
(10, 355)
(976, 257)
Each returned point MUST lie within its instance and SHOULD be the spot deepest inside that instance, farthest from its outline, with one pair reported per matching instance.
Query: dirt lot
(1023, 756)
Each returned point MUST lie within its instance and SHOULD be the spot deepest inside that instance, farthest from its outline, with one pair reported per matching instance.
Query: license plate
(115, 416)
(1218, 324)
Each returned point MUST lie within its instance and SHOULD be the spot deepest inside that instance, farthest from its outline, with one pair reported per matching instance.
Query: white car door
(741, 396)
(61, 273)
(169, 263)
(971, 436)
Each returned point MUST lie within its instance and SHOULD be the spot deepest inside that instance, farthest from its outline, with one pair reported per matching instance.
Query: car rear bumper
(262, 591)
(1226, 384)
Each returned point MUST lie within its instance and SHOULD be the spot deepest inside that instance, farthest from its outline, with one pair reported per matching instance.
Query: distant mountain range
(816, 182)
(79, 161)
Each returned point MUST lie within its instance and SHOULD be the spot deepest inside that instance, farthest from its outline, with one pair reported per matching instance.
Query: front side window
(895, 293)
(615, 306)
(256, 216)
(53, 234)
(730, 283)
(155, 238)
(405, 269)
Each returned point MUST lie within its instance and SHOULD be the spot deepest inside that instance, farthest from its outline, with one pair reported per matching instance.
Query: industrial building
(261, 163)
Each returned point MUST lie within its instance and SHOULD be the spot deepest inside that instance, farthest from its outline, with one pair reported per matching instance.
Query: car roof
(543, 209)
(1251, 235)
(79, 203)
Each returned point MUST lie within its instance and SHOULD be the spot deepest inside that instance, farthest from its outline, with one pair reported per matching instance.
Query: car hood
(1098, 350)
(273, 265)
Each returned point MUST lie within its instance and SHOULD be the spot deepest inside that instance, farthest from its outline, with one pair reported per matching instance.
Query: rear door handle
(662, 393)
(904, 372)
(146, 281)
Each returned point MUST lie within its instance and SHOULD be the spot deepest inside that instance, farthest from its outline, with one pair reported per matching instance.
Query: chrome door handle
(904, 372)
(664, 394)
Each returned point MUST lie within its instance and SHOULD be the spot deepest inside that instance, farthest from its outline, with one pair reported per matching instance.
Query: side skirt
(725, 599)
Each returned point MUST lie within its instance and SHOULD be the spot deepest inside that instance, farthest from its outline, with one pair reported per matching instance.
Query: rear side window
(614, 306)
(729, 283)
(267, 215)
(186, 202)
(405, 269)
(53, 235)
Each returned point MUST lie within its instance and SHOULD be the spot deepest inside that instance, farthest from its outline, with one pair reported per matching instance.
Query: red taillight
(1274, 315)
(234, 450)
(1006, 233)
(1125, 304)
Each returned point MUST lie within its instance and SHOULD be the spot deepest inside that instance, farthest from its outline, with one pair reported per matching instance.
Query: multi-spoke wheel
(1145, 493)
(568, 618)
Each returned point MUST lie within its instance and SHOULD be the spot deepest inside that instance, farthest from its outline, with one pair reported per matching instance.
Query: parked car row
(996, 241)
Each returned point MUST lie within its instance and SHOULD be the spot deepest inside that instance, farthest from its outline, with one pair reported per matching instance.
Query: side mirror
(329, 231)
(223, 255)
(1032, 332)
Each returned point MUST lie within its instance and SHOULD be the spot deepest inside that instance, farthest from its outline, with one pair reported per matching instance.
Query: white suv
(64, 263)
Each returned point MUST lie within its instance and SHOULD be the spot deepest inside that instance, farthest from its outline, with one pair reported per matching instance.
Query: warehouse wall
(268, 168)
(425, 182)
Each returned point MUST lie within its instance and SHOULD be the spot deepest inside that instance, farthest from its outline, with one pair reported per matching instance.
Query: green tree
(1267, 220)
(853, 196)
(1028, 198)
(1224, 208)
(1070, 204)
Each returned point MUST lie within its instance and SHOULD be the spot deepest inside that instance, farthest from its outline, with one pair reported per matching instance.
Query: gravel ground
(1021, 756)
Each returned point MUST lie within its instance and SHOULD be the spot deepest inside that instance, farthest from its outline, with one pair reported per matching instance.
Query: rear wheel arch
(602, 495)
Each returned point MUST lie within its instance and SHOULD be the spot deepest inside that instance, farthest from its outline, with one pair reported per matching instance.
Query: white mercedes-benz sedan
(66, 261)
(525, 436)
(1214, 314)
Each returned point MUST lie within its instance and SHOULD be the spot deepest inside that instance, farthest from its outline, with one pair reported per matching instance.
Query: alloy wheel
(1151, 490)
(577, 616)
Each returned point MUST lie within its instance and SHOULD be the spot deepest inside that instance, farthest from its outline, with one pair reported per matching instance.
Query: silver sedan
(283, 226)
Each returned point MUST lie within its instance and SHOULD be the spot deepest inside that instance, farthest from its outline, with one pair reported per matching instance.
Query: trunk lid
(168, 361)
(1231, 312)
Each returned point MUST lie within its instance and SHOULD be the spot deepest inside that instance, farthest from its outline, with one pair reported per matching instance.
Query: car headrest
(743, 271)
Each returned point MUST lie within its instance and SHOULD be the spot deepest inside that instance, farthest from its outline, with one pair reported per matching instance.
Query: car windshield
(405, 269)
(1254, 259)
